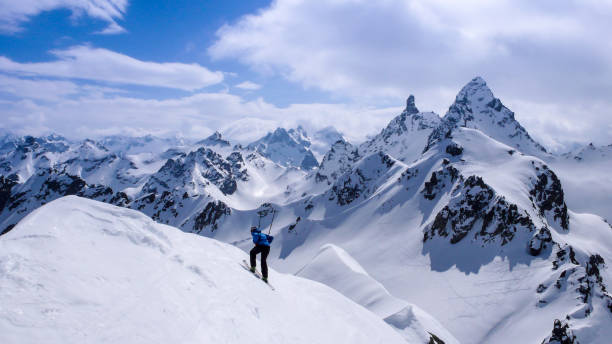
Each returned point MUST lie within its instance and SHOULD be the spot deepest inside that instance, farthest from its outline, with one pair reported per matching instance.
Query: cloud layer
(85, 62)
(96, 112)
(554, 55)
(15, 12)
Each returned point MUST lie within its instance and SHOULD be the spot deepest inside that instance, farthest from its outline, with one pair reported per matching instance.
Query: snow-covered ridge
(78, 270)
(334, 267)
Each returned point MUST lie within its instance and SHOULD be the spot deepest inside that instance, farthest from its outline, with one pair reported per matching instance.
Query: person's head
(254, 229)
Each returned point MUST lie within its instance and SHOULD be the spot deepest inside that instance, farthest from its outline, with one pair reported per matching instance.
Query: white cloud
(248, 85)
(15, 12)
(91, 114)
(377, 52)
(85, 62)
(49, 90)
(112, 29)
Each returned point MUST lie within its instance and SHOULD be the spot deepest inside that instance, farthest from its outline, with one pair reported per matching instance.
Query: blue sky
(99, 67)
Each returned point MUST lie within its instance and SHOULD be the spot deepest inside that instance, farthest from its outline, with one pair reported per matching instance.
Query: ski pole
(271, 222)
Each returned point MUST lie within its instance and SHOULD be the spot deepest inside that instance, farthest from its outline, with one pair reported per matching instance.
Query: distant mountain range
(465, 216)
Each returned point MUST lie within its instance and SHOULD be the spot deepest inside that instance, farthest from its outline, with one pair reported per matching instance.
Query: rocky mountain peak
(477, 87)
(337, 161)
(476, 107)
(287, 148)
(410, 106)
(216, 139)
(405, 135)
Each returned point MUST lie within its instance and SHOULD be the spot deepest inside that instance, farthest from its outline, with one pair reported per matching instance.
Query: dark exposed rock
(62, 184)
(120, 199)
(547, 195)
(356, 184)
(433, 339)
(351, 189)
(6, 185)
(439, 180)
(454, 149)
(477, 201)
(293, 225)
(411, 108)
(7, 229)
(539, 241)
(563, 255)
(209, 217)
(561, 334)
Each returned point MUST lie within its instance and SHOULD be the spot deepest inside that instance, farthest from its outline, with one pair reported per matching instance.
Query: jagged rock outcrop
(362, 180)
(561, 334)
(547, 195)
(473, 201)
(339, 160)
(216, 139)
(210, 216)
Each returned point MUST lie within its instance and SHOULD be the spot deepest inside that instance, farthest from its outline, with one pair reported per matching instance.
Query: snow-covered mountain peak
(299, 134)
(339, 160)
(405, 136)
(216, 139)
(323, 139)
(476, 107)
(287, 147)
(476, 88)
(591, 153)
(90, 149)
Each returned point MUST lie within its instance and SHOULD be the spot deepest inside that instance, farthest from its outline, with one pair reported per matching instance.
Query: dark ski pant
(264, 250)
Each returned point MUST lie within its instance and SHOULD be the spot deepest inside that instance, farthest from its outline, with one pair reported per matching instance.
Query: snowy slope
(585, 174)
(336, 268)
(79, 271)
(479, 238)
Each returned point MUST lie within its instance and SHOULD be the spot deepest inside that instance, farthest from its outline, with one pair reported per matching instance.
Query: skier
(262, 245)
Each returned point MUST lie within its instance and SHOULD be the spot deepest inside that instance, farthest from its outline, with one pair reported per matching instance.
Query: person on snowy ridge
(262, 245)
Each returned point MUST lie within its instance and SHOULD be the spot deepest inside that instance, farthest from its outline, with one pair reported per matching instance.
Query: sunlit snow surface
(81, 271)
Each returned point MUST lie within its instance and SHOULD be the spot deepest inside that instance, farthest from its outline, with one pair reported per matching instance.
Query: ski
(257, 274)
